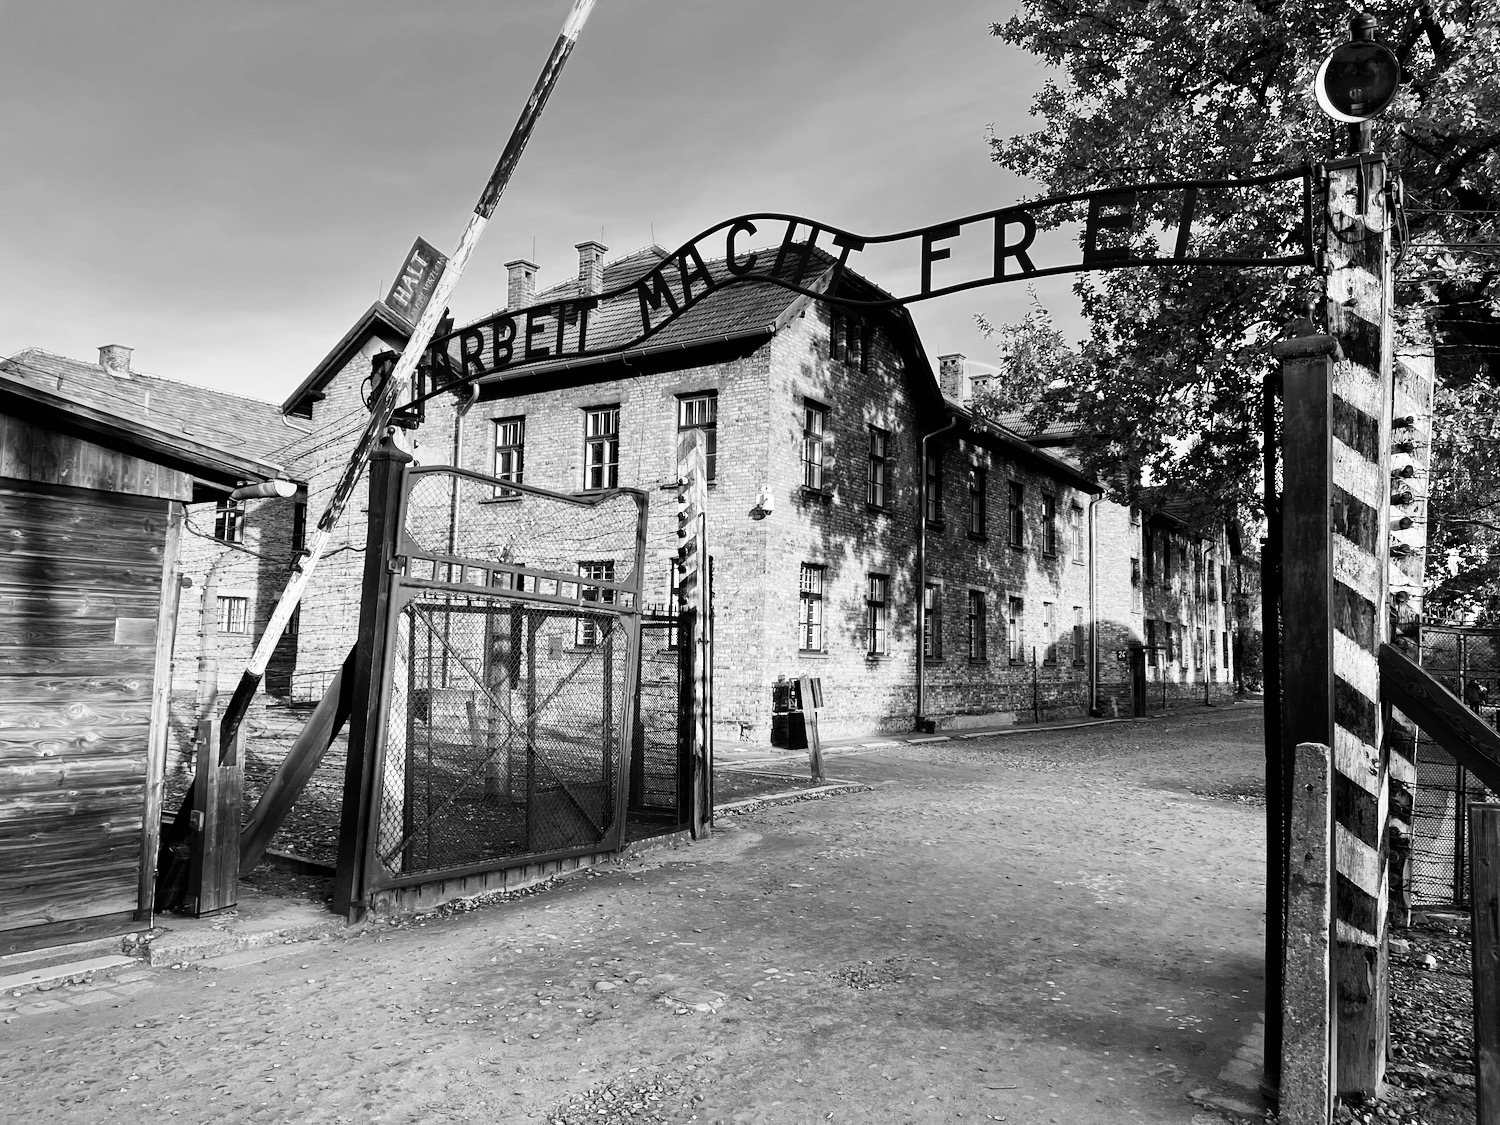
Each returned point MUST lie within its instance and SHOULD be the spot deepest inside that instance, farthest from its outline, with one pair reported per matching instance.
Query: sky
(225, 187)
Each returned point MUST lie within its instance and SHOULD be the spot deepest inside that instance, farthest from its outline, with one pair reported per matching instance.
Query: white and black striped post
(398, 385)
(170, 876)
(1337, 396)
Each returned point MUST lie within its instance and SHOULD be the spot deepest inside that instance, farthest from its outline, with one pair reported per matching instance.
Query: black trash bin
(788, 723)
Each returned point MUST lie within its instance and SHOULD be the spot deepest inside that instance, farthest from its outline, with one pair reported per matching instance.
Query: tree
(1180, 89)
(1033, 356)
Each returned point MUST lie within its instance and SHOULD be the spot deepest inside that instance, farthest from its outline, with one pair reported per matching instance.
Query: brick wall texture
(1014, 625)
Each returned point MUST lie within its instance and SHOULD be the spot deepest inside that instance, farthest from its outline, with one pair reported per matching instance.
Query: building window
(1151, 654)
(1015, 635)
(1078, 639)
(299, 526)
(976, 501)
(1166, 561)
(934, 475)
(229, 521)
(810, 609)
(1135, 583)
(1016, 517)
(1148, 553)
(510, 452)
(978, 648)
(1049, 525)
(878, 615)
(1169, 638)
(875, 477)
(601, 448)
(589, 631)
(814, 433)
(1213, 649)
(1225, 639)
(1049, 633)
(234, 614)
(701, 412)
(1075, 518)
(932, 621)
(1213, 582)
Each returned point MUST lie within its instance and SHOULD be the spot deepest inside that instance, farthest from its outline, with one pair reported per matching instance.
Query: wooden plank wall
(75, 703)
(35, 453)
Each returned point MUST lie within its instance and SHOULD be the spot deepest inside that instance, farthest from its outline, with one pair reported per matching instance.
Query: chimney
(953, 377)
(590, 267)
(521, 290)
(115, 359)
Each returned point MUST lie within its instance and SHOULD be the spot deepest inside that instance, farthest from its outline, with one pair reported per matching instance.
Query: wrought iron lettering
(1150, 224)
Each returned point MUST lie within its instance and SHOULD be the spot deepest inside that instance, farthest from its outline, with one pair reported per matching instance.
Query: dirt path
(1048, 927)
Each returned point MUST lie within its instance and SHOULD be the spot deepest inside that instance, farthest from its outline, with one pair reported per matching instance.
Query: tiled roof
(1058, 428)
(734, 307)
(232, 423)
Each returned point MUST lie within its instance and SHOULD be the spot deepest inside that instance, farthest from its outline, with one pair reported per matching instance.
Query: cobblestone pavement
(1051, 927)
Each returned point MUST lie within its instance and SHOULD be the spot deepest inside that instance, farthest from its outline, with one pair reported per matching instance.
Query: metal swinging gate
(495, 707)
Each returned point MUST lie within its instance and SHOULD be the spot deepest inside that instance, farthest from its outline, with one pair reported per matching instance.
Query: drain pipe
(921, 716)
(1094, 709)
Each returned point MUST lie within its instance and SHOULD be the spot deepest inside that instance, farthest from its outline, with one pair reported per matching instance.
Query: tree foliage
(1033, 355)
(1179, 89)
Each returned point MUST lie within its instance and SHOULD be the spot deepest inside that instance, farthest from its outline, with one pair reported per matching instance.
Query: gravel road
(1057, 926)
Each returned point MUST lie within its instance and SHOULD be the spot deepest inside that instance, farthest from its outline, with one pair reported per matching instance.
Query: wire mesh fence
(503, 733)
(655, 778)
(510, 700)
(1467, 662)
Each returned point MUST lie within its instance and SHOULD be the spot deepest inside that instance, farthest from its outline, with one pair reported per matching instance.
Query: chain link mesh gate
(656, 775)
(1457, 657)
(513, 653)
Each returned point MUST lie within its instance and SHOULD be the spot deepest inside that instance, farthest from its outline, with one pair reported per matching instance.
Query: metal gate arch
(500, 710)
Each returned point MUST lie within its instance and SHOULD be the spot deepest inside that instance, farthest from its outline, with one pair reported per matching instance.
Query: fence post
(387, 480)
(1308, 1039)
(1484, 852)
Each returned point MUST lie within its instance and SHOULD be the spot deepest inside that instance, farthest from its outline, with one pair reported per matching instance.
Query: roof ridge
(134, 374)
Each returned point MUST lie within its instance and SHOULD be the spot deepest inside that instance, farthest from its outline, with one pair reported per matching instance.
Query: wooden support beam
(1307, 1063)
(362, 766)
(1484, 863)
(1474, 744)
(298, 767)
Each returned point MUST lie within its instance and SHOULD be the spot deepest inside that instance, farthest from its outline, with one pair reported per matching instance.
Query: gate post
(1307, 648)
(1358, 290)
(695, 731)
(366, 720)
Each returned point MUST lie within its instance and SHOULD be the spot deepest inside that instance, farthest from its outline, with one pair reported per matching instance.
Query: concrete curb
(70, 972)
(788, 795)
(176, 946)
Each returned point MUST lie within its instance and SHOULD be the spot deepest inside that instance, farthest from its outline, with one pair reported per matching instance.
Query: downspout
(922, 565)
(1094, 709)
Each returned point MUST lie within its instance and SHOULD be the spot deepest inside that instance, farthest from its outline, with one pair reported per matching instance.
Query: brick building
(864, 527)
(1163, 581)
